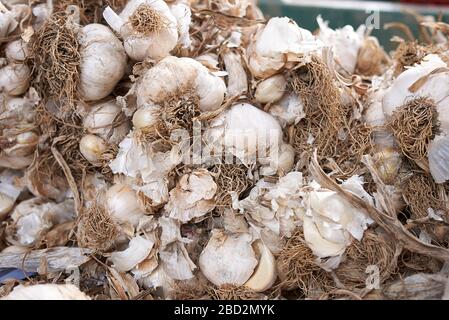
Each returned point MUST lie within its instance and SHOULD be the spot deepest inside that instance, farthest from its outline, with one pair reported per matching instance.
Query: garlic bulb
(278, 42)
(104, 121)
(289, 110)
(176, 262)
(148, 28)
(103, 61)
(265, 274)
(370, 57)
(173, 75)
(345, 43)
(14, 79)
(92, 147)
(246, 132)
(9, 191)
(34, 217)
(271, 89)
(124, 205)
(138, 250)
(16, 51)
(228, 258)
(24, 144)
(46, 292)
(192, 197)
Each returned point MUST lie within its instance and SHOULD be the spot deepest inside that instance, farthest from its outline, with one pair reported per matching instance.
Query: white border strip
(367, 5)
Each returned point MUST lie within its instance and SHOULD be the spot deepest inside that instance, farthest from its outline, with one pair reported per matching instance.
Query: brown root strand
(55, 60)
(90, 10)
(414, 125)
(232, 292)
(297, 267)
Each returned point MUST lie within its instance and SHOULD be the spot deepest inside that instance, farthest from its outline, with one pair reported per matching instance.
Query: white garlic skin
(46, 292)
(16, 50)
(138, 46)
(271, 89)
(103, 61)
(14, 79)
(100, 121)
(228, 258)
(92, 147)
(123, 204)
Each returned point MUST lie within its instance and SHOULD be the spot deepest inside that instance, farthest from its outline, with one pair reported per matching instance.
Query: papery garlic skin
(237, 78)
(173, 75)
(276, 43)
(156, 45)
(247, 132)
(280, 164)
(345, 43)
(103, 61)
(271, 89)
(138, 249)
(101, 121)
(289, 110)
(91, 147)
(16, 50)
(124, 205)
(24, 144)
(192, 197)
(330, 222)
(46, 292)
(228, 258)
(183, 16)
(34, 217)
(9, 191)
(8, 23)
(14, 79)
(438, 155)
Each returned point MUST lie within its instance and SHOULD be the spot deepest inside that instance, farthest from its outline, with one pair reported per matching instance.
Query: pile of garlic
(179, 163)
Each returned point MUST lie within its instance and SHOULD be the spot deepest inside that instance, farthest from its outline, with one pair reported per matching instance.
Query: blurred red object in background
(433, 2)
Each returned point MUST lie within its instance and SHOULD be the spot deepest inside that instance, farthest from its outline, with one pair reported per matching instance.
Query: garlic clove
(102, 121)
(438, 155)
(123, 204)
(91, 147)
(271, 89)
(145, 116)
(228, 258)
(46, 292)
(138, 250)
(237, 78)
(265, 274)
(6, 205)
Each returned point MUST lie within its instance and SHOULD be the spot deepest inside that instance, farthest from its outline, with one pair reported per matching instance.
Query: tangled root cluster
(328, 125)
(421, 193)
(374, 250)
(407, 54)
(55, 59)
(297, 267)
(230, 178)
(96, 228)
(178, 111)
(414, 125)
(146, 21)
